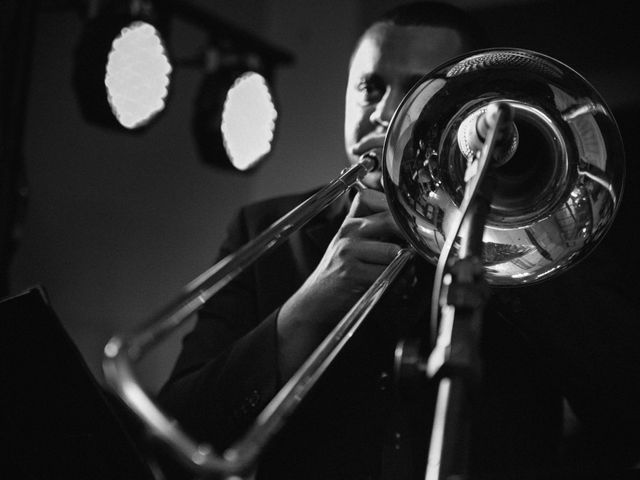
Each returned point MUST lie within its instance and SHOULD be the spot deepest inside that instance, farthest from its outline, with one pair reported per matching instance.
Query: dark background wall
(117, 224)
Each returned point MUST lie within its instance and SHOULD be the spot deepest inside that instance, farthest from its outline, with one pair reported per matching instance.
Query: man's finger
(367, 202)
(378, 226)
(376, 253)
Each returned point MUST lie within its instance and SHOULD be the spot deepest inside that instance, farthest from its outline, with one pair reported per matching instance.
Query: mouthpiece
(370, 160)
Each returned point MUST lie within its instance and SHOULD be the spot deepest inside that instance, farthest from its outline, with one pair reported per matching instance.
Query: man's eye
(370, 92)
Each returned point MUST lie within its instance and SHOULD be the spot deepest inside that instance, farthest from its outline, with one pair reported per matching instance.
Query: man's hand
(366, 242)
(372, 142)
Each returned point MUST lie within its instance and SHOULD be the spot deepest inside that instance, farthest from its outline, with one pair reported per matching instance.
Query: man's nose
(381, 115)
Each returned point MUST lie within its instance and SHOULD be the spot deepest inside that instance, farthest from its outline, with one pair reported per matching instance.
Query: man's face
(386, 64)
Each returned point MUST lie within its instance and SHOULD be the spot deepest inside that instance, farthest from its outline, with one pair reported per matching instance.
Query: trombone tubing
(124, 349)
(284, 404)
(199, 290)
(241, 457)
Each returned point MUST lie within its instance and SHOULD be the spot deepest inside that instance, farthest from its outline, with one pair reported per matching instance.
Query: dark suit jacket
(574, 336)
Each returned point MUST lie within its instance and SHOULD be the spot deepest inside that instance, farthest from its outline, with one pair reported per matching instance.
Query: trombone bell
(556, 196)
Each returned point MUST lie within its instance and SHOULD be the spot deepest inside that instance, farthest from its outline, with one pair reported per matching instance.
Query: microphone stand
(456, 355)
(455, 361)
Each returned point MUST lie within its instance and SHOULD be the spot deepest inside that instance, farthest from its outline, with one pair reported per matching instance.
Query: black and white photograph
(319, 240)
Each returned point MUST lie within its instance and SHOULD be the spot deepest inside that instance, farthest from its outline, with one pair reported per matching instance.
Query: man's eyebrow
(371, 76)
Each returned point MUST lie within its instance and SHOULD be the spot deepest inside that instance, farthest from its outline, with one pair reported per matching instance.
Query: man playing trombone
(359, 422)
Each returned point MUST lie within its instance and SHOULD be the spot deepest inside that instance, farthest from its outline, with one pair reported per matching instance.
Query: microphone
(473, 131)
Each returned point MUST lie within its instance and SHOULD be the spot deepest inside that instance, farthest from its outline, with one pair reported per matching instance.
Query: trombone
(552, 201)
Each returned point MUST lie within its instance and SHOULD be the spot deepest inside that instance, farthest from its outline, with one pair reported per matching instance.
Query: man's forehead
(408, 49)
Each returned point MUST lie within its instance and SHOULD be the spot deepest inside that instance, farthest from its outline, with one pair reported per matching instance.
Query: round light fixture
(122, 70)
(248, 121)
(235, 118)
(137, 75)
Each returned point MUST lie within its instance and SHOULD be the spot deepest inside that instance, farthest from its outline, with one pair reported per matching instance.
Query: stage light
(137, 75)
(248, 120)
(122, 71)
(235, 113)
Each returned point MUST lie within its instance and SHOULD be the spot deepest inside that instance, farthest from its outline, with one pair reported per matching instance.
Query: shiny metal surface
(554, 199)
